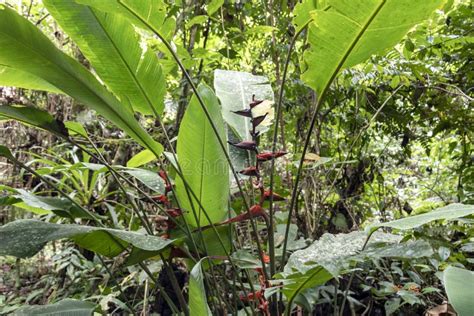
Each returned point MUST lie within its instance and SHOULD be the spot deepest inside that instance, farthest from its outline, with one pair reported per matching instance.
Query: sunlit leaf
(111, 44)
(142, 13)
(143, 157)
(235, 90)
(459, 284)
(26, 49)
(349, 32)
(197, 293)
(17, 78)
(202, 161)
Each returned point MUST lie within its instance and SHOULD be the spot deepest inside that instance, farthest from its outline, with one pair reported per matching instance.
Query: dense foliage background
(392, 138)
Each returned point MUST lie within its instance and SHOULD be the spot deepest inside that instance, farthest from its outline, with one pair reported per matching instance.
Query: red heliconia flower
(250, 171)
(257, 120)
(252, 296)
(276, 197)
(163, 176)
(174, 212)
(254, 211)
(266, 258)
(246, 144)
(268, 155)
(161, 199)
(254, 103)
(246, 112)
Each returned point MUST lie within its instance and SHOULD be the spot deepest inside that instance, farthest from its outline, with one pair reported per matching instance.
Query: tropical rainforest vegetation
(236, 157)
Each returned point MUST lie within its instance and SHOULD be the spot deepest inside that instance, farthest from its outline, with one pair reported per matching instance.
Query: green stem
(321, 99)
(209, 118)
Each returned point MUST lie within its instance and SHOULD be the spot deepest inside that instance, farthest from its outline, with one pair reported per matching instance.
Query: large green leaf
(34, 116)
(202, 160)
(24, 238)
(21, 79)
(142, 13)
(111, 44)
(26, 49)
(67, 307)
(235, 90)
(302, 12)
(336, 252)
(45, 204)
(197, 293)
(459, 284)
(350, 31)
(332, 255)
(452, 211)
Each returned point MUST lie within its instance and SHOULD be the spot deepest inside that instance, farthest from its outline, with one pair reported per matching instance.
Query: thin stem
(209, 118)
(271, 238)
(321, 99)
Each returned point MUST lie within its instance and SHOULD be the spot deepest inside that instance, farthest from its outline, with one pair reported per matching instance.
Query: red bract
(247, 145)
(161, 199)
(250, 171)
(252, 296)
(276, 197)
(246, 113)
(254, 211)
(259, 119)
(268, 155)
(254, 103)
(174, 212)
(163, 176)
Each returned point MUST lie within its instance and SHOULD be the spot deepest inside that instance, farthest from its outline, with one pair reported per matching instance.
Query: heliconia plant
(185, 213)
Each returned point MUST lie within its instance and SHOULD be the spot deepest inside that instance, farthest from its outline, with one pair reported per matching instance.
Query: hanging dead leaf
(310, 157)
(441, 310)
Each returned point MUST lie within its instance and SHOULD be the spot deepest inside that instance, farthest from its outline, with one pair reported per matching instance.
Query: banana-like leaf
(111, 44)
(26, 49)
(350, 31)
(17, 78)
(459, 285)
(143, 157)
(202, 160)
(34, 116)
(235, 90)
(24, 238)
(452, 211)
(67, 307)
(302, 12)
(142, 13)
(197, 293)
